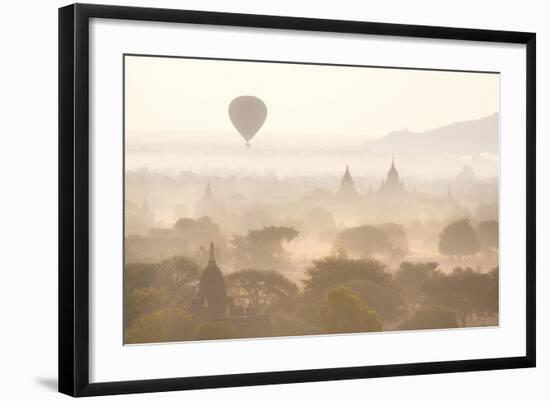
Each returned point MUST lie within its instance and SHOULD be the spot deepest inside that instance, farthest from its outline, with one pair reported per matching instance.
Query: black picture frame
(74, 198)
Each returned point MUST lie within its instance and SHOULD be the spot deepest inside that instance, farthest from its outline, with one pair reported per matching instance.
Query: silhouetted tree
(345, 312)
(363, 240)
(179, 276)
(458, 239)
(199, 232)
(140, 275)
(333, 271)
(487, 232)
(431, 317)
(262, 289)
(140, 301)
(385, 300)
(465, 291)
(149, 287)
(167, 324)
(410, 277)
(263, 248)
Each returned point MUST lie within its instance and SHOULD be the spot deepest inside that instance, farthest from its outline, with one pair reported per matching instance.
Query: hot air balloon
(247, 113)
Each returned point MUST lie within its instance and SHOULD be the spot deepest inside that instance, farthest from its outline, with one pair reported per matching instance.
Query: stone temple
(393, 186)
(347, 188)
(213, 304)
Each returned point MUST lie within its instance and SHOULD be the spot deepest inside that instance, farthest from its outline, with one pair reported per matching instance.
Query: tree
(168, 324)
(263, 248)
(487, 232)
(140, 275)
(385, 300)
(431, 317)
(319, 219)
(458, 239)
(345, 312)
(465, 291)
(330, 272)
(262, 289)
(179, 275)
(140, 301)
(410, 277)
(397, 237)
(199, 232)
(363, 240)
(149, 287)
(333, 271)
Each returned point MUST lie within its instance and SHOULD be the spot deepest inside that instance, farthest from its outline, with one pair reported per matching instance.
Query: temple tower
(212, 295)
(393, 184)
(347, 186)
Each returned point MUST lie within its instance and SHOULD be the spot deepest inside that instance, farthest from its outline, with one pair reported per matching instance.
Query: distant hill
(466, 137)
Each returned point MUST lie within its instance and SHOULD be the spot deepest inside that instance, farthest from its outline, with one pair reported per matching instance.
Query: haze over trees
(363, 240)
(458, 239)
(198, 231)
(352, 289)
(339, 294)
(281, 212)
(317, 263)
(264, 248)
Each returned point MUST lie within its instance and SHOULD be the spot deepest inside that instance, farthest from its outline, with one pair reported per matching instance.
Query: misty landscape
(284, 200)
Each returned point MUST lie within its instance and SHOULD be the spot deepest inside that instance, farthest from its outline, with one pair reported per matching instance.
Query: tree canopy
(363, 240)
(263, 248)
(262, 289)
(332, 271)
(465, 291)
(410, 277)
(199, 232)
(179, 275)
(458, 239)
(167, 324)
(385, 300)
(397, 237)
(345, 312)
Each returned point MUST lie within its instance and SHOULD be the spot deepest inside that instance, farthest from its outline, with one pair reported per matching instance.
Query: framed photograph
(250, 199)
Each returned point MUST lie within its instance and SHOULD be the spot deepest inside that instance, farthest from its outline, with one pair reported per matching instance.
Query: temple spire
(208, 192)
(347, 174)
(347, 187)
(212, 257)
(392, 168)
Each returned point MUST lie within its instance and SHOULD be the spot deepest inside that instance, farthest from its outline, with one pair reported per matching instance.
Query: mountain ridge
(462, 137)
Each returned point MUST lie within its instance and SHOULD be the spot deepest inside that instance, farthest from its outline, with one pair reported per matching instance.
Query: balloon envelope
(247, 113)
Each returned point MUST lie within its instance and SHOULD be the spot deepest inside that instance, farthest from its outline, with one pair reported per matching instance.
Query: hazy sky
(174, 103)
(304, 101)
